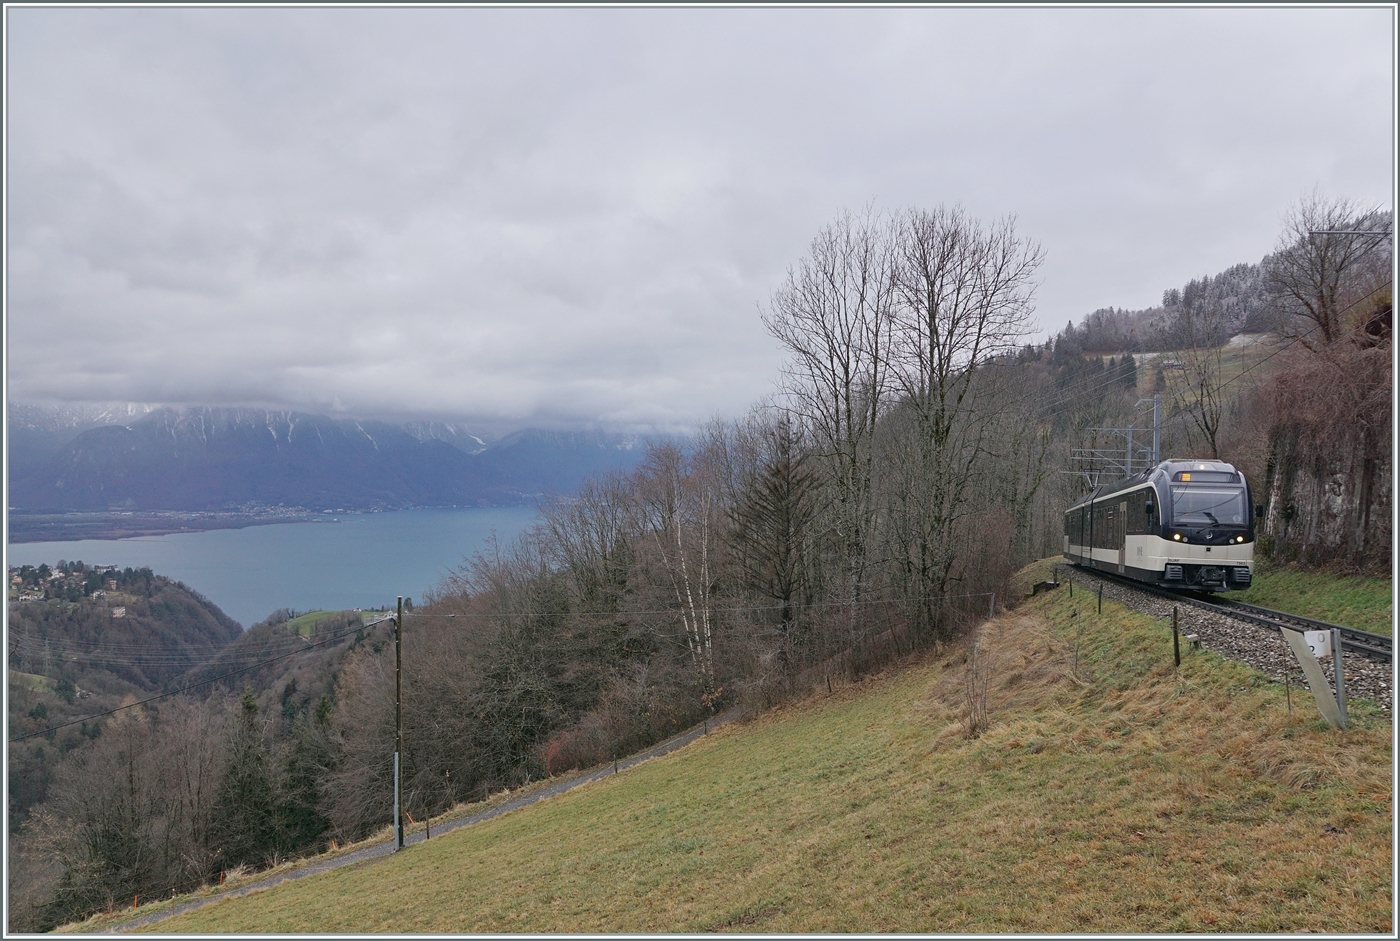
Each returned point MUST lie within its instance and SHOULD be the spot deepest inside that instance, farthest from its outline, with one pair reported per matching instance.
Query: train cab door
(1120, 533)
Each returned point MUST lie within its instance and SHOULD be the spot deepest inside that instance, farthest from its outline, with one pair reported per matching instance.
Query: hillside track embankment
(385, 848)
(1376, 646)
(1245, 641)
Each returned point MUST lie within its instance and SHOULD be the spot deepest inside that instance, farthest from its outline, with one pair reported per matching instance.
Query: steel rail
(1374, 646)
(1365, 642)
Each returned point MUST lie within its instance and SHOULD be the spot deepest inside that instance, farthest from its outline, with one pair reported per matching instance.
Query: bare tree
(965, 297)
(1311, 271)
(591, 538)
(679, 512)
(192, 755)
(113, 807)
(833, 313)
(1203, 397)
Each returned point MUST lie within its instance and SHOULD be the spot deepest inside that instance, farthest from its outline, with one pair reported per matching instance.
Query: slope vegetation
(84, 650)
(1352, 600)
(1108, 792)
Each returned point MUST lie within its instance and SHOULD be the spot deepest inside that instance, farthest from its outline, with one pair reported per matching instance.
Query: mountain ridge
(209, 458)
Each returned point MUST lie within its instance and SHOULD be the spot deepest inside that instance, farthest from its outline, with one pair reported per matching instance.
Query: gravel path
(386, 848)
(1253, 644)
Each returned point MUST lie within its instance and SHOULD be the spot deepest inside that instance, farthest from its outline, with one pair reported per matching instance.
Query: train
(1178, 524)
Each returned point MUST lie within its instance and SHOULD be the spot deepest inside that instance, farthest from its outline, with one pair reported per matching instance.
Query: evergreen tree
(1127, 371)
(246, 831)
(300, 822)
(772, 527)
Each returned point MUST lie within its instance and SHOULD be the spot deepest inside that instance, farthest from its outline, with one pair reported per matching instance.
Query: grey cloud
(573, 215)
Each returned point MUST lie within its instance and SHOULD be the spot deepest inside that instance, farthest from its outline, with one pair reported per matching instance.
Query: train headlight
(1239, 539)
(1176, 536)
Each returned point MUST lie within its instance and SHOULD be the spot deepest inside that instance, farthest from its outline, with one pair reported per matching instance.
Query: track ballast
(1249, 634)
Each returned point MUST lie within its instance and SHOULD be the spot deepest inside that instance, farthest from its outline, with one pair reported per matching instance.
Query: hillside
(143, 628)
(1108, 793)
(96, 640)
(35, 433)
(205, 459)
(300, 660)
(221, 458)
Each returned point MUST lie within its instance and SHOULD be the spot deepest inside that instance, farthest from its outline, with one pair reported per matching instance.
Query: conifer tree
(772, 526)
(246, 831)
(300, 822)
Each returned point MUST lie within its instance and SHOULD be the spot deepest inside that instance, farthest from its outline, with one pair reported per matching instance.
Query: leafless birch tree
(679, 512)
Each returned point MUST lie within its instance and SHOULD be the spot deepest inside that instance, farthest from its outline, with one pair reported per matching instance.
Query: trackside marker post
(1339, 676)
(1176, 640)
(1317, 682)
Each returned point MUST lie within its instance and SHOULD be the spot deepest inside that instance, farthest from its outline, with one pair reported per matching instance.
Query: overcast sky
(545, 216)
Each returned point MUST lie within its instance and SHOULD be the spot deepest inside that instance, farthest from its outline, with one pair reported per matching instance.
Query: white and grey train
(1182, 524)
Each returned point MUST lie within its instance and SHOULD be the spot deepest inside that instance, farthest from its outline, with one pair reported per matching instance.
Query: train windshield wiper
(1211, 515)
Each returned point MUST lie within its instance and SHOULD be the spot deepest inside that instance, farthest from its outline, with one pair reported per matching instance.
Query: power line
(25, 643)
(1183, 412)
(185, 689)
(662, 611)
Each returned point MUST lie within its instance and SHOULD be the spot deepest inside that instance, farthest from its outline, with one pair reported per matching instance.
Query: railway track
(1249, 634)
(1372, 646)
(1375, 646)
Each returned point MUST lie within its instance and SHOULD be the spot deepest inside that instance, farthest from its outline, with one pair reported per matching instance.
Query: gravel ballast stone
(1259, 646)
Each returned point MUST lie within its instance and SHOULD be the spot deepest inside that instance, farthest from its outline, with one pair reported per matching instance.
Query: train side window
(1137, 509)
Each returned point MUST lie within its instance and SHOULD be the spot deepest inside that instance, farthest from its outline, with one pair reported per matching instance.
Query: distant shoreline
(77, 526)
(27, 526)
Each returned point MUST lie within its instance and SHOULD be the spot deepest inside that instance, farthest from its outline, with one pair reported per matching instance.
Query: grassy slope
(30, 680)
(1363, 603)
(305, 624)
(1108, 795)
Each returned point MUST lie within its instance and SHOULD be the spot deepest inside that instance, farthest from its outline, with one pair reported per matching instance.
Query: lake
(345, 561)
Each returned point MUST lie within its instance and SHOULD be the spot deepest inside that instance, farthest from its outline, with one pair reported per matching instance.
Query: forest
(916, 453)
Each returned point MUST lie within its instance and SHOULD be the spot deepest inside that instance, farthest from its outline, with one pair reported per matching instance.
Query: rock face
(213, 458)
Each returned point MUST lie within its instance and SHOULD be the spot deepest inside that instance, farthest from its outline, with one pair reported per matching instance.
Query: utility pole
(1156, 430)
(1094, 462)
(398, 727)
(1156, 401)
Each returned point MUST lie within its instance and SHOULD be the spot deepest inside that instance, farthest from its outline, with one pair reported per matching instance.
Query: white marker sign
(1319, 642)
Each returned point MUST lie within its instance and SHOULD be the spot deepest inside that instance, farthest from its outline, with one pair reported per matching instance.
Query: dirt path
(386, 848)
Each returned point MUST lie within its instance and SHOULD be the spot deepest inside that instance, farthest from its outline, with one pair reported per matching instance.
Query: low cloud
(573, 216)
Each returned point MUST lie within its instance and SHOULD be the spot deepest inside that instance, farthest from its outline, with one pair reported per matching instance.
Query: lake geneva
(344, 561)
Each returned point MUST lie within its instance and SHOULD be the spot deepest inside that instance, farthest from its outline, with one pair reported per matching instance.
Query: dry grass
(1121, 796)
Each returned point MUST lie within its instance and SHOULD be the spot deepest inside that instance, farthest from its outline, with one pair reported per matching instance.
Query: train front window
(1194, 506)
